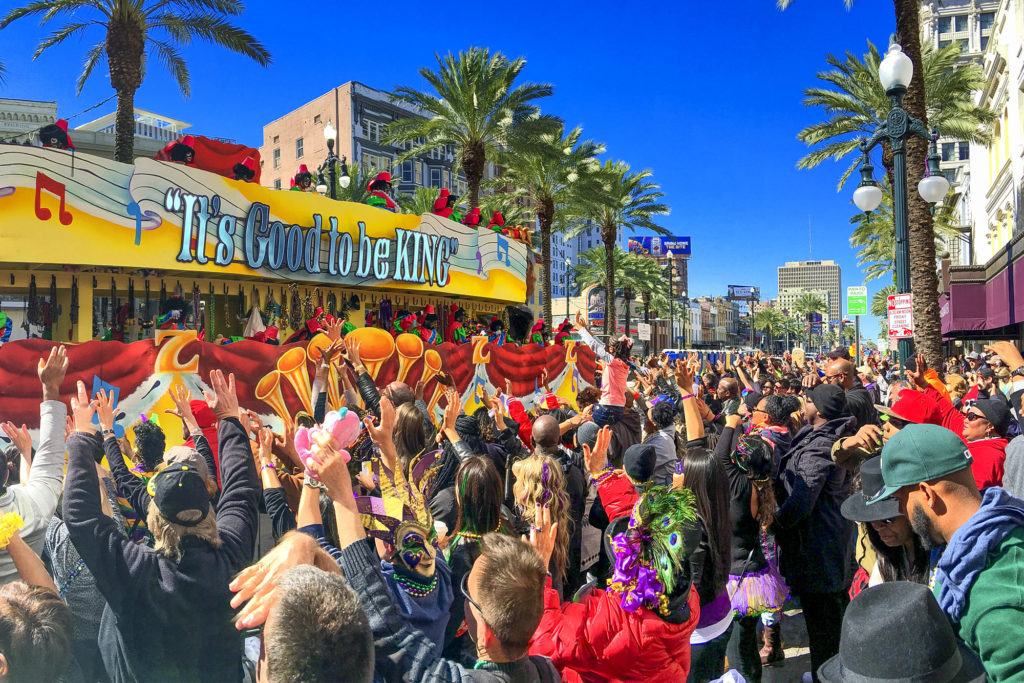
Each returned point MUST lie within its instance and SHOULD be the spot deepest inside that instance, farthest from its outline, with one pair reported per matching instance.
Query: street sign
(643, 331)
(856, 300)
(901, 316)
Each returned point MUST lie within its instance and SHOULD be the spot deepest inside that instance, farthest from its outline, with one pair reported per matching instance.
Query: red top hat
(441, 203)
(429, 309)
(302, 169)
(272, 332)
(63, 125)
(497, 219)
(472, 218)
(189, 141)
(291, 182)
(249, 163)
(383, 176)
(539, 325)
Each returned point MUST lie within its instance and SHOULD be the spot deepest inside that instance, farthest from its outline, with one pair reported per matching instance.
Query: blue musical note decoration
(502, 244)
(135, 210)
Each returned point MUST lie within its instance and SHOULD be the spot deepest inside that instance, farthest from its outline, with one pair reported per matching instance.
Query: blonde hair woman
(540, 482)
(956, 385)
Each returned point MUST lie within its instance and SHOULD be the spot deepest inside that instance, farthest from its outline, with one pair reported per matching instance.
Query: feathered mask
(402, 500)
(651, 554)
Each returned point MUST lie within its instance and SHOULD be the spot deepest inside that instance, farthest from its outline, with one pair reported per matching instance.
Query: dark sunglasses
(465, 594)
(971, 417)
(896, 422)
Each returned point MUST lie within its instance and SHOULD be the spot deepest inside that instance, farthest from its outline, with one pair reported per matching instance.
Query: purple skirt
(755, 593)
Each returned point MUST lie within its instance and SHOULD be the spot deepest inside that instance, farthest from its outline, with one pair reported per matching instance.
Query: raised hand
(596, 459)
(419, 390)
(333, 329)
(19, 436)
(543, 534)
(1009, 354)
(350, 352)
(580, 323)
(182, 398)
(917, 375)
(381, 434)
(330, 468)
(82, 409)
(452, 410)
(223, 401)
(265, 452)
(51, 372)
(105, 409)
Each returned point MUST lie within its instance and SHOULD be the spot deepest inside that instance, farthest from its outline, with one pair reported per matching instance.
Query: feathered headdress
(402, 500)
(651, 555)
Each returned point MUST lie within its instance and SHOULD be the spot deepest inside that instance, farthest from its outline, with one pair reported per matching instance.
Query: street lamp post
(895, 72)
(671, 303)
(686, 317)
(568, 262)
(331, 136)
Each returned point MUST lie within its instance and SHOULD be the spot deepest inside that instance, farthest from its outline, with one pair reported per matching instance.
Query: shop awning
(964, 308)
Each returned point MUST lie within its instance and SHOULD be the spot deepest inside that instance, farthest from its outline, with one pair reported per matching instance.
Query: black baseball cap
(996, 412)
(178, 492)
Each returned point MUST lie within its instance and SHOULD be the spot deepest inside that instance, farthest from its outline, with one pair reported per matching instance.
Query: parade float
(147, 270)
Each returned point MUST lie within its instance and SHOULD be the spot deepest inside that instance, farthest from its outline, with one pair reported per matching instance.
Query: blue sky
(707, 95)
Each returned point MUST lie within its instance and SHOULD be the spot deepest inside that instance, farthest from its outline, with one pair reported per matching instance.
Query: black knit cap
(467, 427)
(830, 401)
(177, 489)
(638, 461)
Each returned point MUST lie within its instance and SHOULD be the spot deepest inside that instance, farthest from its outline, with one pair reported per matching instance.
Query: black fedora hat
(856, 508)
(896, 632)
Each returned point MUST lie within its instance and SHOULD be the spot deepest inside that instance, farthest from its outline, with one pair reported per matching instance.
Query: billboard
(659, 246)
(744, 292)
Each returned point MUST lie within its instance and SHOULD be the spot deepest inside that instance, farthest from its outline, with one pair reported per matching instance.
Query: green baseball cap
(920, 453)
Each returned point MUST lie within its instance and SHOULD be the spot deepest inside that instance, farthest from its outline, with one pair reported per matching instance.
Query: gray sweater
(36, 499)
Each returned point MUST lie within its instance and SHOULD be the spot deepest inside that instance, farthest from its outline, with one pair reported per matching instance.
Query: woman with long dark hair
(709, 563)
(899, 555)
(410, 440)
(755, 586)
(478, 495)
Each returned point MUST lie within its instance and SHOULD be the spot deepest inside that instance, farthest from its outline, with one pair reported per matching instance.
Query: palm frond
(92, 58)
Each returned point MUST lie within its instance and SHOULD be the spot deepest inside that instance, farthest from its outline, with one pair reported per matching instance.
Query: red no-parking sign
(901, 316)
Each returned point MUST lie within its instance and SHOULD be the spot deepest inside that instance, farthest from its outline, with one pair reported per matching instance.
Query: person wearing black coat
(816, 541)
(168, 614)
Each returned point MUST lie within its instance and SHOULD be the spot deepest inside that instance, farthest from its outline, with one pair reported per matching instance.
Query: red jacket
(989, 455)
(618, 495)
(596, 640)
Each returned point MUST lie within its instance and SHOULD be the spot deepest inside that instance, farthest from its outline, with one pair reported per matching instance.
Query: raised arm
(37, 499)
(691, 415)
(110, 557)
(237, 508)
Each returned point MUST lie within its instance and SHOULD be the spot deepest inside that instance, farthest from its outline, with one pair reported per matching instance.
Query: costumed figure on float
(303, 180)
(182, 151)
(496, 334)
(537, 334)
(458, 333)
(246, 170)
(175, 313)
(404, 323)
(497, 223)
(378, 189)
(472, 219)
(56, 135)
(427, 325)
(312, 327)
(563, 331)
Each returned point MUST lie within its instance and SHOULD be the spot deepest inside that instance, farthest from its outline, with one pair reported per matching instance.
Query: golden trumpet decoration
(268, 390)
(410, 348)
(431, 365)
(292, 365)
(375, 347)
(315, 352)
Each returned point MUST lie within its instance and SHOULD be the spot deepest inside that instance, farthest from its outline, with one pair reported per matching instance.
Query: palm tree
(634, 273)
(856, 105)
(514, 210)
(137, 30)
(807, 305)
(874, 236)
(546, 172)
(921, 238)
(791, 327)
(419, 203)
(770, 320)
(476, 107)
(627, 200)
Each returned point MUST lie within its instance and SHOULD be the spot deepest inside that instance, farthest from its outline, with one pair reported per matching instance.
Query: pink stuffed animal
(341, 426)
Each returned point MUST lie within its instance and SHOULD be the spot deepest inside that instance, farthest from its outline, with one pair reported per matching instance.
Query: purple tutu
(755, 593)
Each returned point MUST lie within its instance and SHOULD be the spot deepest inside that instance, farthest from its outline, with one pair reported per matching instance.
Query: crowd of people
(655, 527)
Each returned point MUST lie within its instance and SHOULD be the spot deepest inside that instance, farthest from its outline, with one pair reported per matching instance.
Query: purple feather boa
(635, 581)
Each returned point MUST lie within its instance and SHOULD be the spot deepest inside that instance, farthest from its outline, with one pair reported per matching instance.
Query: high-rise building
(361, 115)
(572, 249)
(970, 24)
(823, 278)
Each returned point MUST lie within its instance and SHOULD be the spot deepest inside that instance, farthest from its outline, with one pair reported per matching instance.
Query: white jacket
(36, 500)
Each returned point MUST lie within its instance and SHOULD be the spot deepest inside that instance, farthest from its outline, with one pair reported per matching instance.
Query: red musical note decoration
(45, 182)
